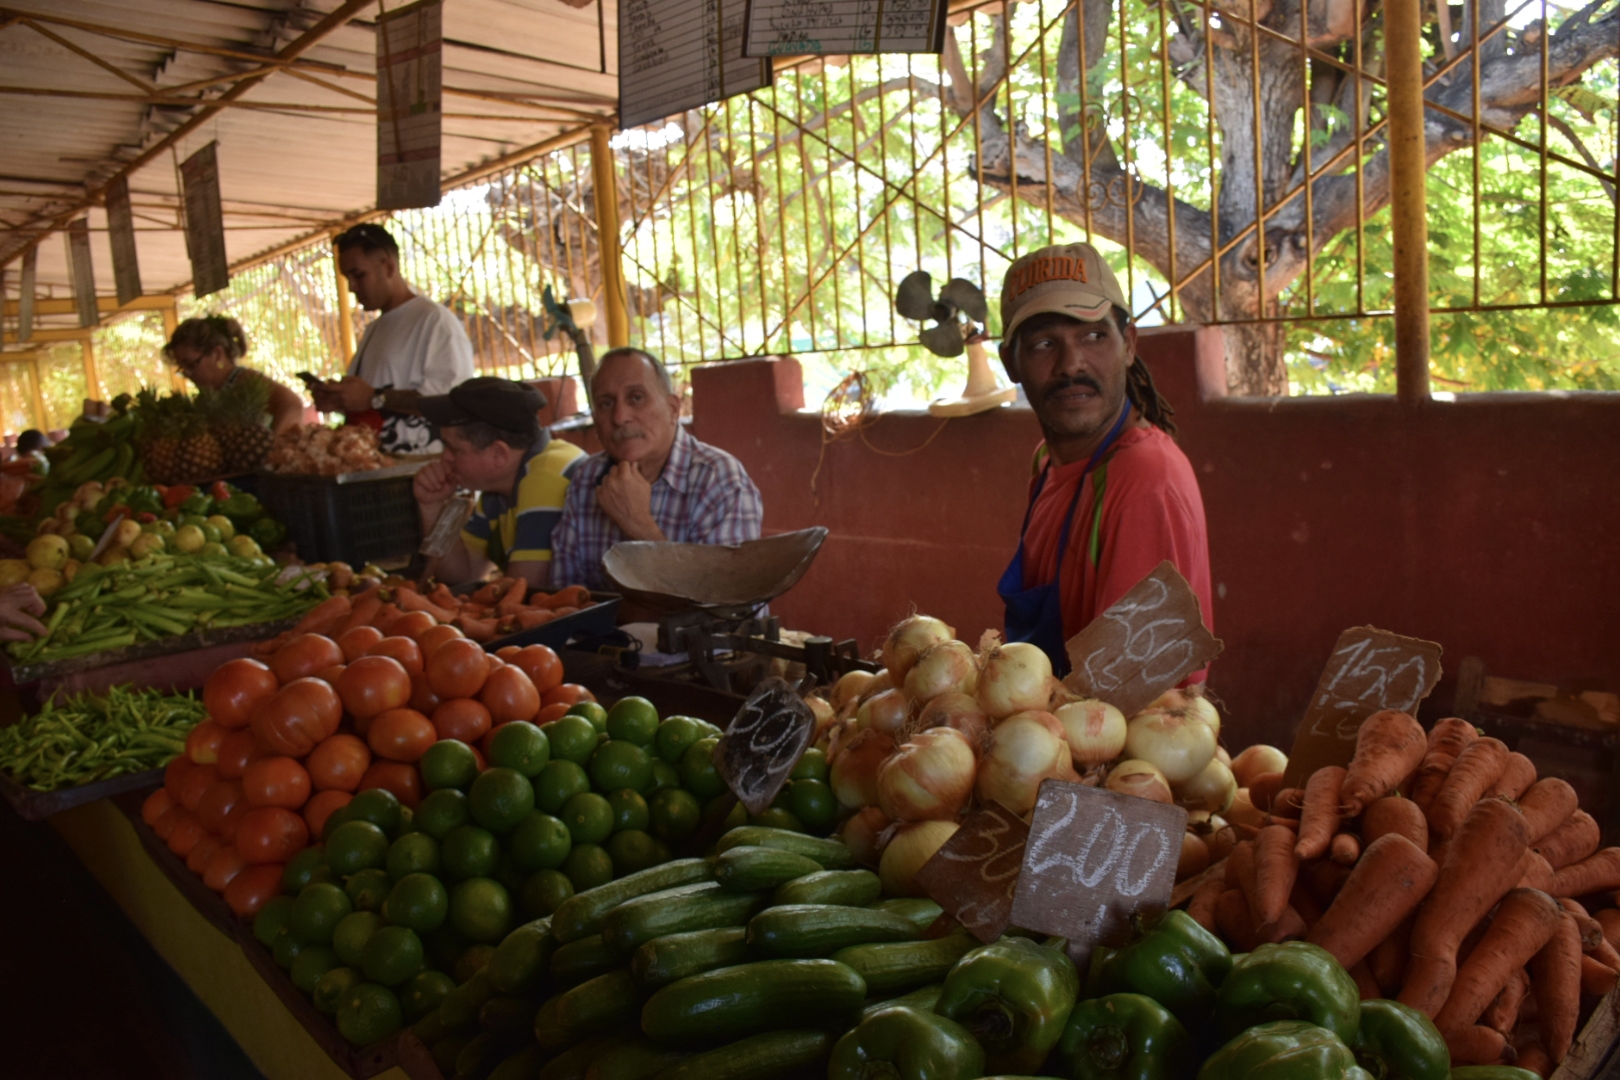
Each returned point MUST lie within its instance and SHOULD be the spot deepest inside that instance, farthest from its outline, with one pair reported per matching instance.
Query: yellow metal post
(92, 376)
(606, 187)
(345, 311)
(1403, 37)
(36, 388)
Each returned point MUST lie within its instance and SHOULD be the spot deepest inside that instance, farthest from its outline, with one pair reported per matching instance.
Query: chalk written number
(1153, 647)
(1391, 677)
(1113, 847)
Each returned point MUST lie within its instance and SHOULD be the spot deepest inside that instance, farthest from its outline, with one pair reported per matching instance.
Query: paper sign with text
(974, 873)
(205, 222)
(763, 743)
(1095, 858)
(1143, 645)
(1370, 670)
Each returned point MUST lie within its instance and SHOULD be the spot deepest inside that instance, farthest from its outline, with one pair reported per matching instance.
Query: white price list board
(410, 54)
(842, 27)
(676, 55)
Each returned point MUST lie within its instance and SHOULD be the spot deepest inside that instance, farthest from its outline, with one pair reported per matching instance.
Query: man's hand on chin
(626, 498)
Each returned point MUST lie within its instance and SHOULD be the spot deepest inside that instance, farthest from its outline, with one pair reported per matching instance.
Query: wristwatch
(379, 399)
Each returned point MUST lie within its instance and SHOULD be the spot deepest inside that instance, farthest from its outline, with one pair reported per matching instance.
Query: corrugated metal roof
(516, 72)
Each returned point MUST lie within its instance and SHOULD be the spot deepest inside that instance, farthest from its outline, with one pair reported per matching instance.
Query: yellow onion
(1220, 837)
(1174, 742)
(1095, 730)
(849, 688)
(879, 683)
(1243, 812)
(863, 833)
(1023, 750)
(823, 712)
(887, 712)
(1139, 778)
(1213, 789)
(913, 844)
(1256, 760)
(1015, 678)
(1194, 856)
(853, 776)
(1190, 703)
(930, 777)
(959, 711)
(909, 639)
(947, 668)
(838, 737)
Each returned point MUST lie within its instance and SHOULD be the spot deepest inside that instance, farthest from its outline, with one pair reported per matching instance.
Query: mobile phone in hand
(311, 382)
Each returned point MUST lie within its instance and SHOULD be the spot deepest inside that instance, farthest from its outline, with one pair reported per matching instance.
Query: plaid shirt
(703, 496)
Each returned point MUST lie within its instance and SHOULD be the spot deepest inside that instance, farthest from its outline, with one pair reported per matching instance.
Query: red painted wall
(1490, 525)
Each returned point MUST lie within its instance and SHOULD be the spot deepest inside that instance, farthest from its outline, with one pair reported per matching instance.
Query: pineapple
(241, 423)
(157, 435)
(198, 455)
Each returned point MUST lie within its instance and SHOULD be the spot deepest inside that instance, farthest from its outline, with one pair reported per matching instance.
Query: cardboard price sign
(1095, 858)
(763, 743)
(974, 874)
(1369, 671)
(1147, 642)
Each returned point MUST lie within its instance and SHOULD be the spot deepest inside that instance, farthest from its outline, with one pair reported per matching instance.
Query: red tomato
(217, 802)
(185, 834)
(331, 675)
(155, 805)
(423, 699)
(271, 834)
(248, 891)
(362, 727)
(234, 688)
(321, 807)
(492, 664)
(548, 713)
(166, 821)
(357, 642)
(239, 748)
(462, 718)
(301, 714)
(338, 763)
(401, 735)
(540, 664)
(434, 636)
(401, 779)
(224, 866)
(508, 652)
(276, 781)
(304, 655)
(201, 852)
(478, 756)
(403, 649)
(482, 749)
(374, 684)
(195, 783)
(203, 742)
(175, 772)
(458, 669)
(412, 624)
(509, 694)
(571, 693)
(233, 821)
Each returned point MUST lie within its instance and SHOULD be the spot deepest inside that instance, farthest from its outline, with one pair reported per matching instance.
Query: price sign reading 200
(1125, 854)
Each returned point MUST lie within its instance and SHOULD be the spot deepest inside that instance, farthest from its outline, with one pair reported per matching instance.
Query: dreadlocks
(1140, 388)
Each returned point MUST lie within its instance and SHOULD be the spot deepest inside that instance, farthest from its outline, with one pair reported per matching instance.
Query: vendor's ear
(1008, 348)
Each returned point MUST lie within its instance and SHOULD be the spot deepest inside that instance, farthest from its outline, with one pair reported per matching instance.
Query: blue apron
(1035, 614)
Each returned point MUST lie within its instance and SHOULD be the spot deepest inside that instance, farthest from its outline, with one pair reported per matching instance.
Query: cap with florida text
(1070, 279)
(501, 403)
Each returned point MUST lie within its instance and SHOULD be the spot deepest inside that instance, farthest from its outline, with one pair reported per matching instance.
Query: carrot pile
(1440, 871)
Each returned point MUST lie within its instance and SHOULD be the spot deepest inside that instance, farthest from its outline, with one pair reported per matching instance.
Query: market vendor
(414, 348)
(20, 605)
(653, 481)
(494, 444)
(1112, 495)
(208, 351)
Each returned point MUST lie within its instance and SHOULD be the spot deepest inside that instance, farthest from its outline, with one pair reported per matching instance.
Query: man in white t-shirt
(415, 347)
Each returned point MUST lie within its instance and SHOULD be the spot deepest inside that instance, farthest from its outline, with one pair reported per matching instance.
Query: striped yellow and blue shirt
(517, 526)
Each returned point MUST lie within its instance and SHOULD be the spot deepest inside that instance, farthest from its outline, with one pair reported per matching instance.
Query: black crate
(356, 518)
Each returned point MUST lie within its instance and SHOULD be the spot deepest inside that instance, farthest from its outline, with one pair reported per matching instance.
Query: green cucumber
(459, 1009)
(856, 888)
(572, 1064)
(924, 999)
(762, 1057)
(897, 966)
(597, 1005)
(640, 1060)
(508, 1019)
(920, 913)
(446, 1050)
(750, 868)
(674, 911)
(519, 1065)
(805, 930)
(581, 915)
(522, 958)
(580, 960)
(481, 1054)
(664, 960)
(831, 854)
(733, 1003)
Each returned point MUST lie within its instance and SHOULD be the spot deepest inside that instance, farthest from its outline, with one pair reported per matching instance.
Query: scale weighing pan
(728, 581)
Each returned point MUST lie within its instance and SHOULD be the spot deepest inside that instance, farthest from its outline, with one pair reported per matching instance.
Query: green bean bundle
(88, 738)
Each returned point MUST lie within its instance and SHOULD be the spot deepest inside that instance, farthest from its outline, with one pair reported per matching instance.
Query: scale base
(967, 406)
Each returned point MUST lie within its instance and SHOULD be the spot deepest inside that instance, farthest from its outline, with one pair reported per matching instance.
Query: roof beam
(105, 304)
(139, 84)
(167, 42)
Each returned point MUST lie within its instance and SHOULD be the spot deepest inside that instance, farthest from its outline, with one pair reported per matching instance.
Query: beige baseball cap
(1070, 279)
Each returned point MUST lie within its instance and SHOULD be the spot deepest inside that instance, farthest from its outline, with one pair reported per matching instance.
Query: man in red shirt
(1113, 495)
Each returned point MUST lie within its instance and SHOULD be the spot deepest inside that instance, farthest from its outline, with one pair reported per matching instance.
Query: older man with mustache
(1112, 495)
(653, 481)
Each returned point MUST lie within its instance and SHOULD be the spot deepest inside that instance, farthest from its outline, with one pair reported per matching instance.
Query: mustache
(1059, 385)
(628, 431)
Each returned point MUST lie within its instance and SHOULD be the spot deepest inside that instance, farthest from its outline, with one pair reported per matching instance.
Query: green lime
(418, 901)
(675, 814)
(698, 774)
(378, 806)
(633, 719)
(508, 874)
(368, 889)
(778, 818)
(340, 816)
(413, 853)
(558, 782)
(481, 909)
(271, 918)
(407, 823)
(286, 947)
(541, 842)
(735, 813)
(632, 850)
(813, 803)
(500, 799)
(442, 811)
(355, 846)
(629, 810)
(448, 763)
(333, 986)
(318, 910)
(588, 866)
(312, 963)
(663, 775)
(468, 852)
(472, 960)
(422, 993)
(591, 711)
(617, 764)
(444, 945)
(570, 738)
(350, 937)
(812, 766)
(675, 735)
(589, 818)
(521, 746)
(305, 868)
(393, 955)
(368, 1013)
(543, 891)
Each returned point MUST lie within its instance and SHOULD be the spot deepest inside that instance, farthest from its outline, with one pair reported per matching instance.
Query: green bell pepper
(144, 500)
(1284, 1050)
(1291, 981)
(1396, 1042)
(199, 504)
(1492, 1072)
(1173, 960)
(906, 1044)
(241, 509)
(1014, 996)
(1124, 1037)
(267, 532)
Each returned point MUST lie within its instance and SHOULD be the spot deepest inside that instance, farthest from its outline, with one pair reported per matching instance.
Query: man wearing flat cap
(494, 445)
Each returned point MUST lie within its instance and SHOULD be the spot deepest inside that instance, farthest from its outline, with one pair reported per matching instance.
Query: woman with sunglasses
(206, 351)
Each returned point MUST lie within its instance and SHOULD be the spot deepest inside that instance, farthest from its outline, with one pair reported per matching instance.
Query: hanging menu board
(25, 295)
(676, 55)
(841, 27)
(82, 273)
(121, 236)
(410, 50)
(205, 222)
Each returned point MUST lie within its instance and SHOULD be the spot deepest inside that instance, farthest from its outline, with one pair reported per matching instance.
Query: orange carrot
(512, 602)
(324, 618)
(363, 610)
(1524, 922)
(1291, 927)
(1233, 921)
(1390, 746)
(1291, 824)
(490, 593)
(413, 601)
(444, 598)
(1345, 849)
(384, 619)
(1555, 976)
(576, 596)
(1605, 954)
(1326, 878)
(1476, 873)
(1503, 1012)
(1534, 873)
(1366, 985)
(1597, 979)
(477, 629)
(1609, 919)
(1241, 875)
(1478, 767)
(1533, 1059)
(1591, 930)
(1221, 842)
(1446, 741)
(529, 618)
(1387, 961)
(1287, 803)
(1303, 900)
(1275, 866)
(1264, 788)
(1202, 904)
(1515, 779)
(1594, 873)
(1571, 842)
(1319, 816)
(1478, 1046)
(1547, 805)
(1393, 814)
(1388, 883)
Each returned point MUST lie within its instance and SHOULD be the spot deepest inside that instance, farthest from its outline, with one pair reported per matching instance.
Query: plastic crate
(355, 518)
